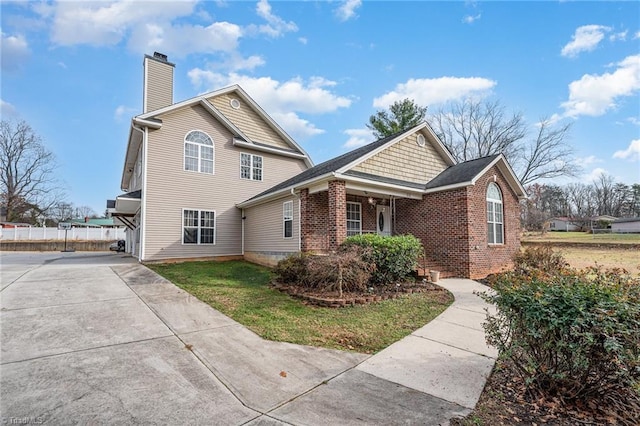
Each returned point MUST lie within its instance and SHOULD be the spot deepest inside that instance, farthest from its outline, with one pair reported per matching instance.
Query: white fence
(37, 233)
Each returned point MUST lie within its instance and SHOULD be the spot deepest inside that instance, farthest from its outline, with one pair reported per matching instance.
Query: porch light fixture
(372, 201)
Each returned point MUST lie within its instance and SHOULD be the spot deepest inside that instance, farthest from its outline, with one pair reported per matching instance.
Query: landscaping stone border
(351, 299)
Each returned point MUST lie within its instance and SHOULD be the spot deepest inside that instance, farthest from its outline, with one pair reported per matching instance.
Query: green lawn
(240, 290)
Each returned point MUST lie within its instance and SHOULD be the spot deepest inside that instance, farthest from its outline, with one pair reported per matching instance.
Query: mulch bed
(505, 400)
(333, 300)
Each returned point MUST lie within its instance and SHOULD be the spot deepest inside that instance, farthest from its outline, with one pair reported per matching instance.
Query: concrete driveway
(97, 338)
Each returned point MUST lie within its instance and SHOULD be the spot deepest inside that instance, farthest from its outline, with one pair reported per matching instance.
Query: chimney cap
(160, 56)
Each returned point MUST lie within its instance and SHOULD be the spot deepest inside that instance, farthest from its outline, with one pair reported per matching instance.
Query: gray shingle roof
(460, 173)
(329, 165)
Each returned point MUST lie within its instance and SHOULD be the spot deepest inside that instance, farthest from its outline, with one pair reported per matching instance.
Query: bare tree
(85, 211)
(61, 212)
(473, 129)
(26, 171)
(548, 156)
(604, 193)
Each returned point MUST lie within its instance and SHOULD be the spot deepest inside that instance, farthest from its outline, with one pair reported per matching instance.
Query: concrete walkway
(98, 338)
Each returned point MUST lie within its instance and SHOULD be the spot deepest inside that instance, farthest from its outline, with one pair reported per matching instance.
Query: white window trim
(493, 223)
(286, 218)
(199, 145)
(252, 156)
(359, 221)
(215, 227)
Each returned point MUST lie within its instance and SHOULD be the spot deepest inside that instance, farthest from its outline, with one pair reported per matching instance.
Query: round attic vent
(421, 141)
(235, 104)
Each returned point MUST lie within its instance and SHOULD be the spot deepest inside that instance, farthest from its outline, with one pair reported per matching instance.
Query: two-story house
(215, 176)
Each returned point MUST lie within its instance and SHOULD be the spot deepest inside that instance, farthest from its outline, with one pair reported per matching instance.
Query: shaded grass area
(240, 290)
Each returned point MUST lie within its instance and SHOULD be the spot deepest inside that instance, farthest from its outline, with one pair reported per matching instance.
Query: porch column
(305, 221)
(337, 213)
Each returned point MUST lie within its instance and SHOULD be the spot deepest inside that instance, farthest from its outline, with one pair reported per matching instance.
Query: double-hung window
(198, 152)
(354, 218)
(495, 221)
(250, 166)
(198, 227)
(287, 219)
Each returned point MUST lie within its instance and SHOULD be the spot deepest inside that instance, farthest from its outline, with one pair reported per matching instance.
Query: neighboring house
(95, 223)
(563, 224)
(626, 225)
(214, 176)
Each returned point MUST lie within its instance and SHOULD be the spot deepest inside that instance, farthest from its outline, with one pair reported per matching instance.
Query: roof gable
(467, 173)
(259, 128)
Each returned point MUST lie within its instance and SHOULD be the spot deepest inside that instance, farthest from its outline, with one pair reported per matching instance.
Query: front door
(383, 220)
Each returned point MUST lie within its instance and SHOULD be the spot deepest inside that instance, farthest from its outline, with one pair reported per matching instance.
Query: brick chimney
(157, 82)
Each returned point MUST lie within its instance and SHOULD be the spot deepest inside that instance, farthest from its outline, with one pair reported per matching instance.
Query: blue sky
(73, 70)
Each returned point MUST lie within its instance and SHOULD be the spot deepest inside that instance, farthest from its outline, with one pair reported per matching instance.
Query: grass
(608, 258)
(240, 290)
(582, 237)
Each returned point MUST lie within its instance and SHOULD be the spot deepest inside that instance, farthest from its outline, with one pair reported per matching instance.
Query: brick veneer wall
(337, 213)
(452, 226)
(489, 259)
(314, 221)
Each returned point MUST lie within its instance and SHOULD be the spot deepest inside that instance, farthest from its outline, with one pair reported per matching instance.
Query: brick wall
(452, 226)
(314, 221)
(337, 213)
(368, 212)
(440, 221)
(488, 259)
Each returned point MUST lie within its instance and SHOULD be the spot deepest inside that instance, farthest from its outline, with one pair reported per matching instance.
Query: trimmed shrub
(344, 271)
(570, 334)
(395, 257)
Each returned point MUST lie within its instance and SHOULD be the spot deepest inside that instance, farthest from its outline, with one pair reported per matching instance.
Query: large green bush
(395, 257)
(572, 334)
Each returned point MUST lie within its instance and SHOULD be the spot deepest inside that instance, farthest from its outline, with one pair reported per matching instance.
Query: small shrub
(343, 271)
(395, 257)
(539, 259)
(571, 334)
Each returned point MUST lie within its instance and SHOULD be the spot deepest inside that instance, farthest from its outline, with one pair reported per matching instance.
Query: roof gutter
(248, 145)
(147, 123)
(284, 191)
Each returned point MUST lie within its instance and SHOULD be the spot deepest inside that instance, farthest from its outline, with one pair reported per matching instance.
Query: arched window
(198, 152)
(495, 217)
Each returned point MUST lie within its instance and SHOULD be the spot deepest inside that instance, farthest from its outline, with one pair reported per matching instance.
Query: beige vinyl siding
(170, 188)
(405, 160)
(248, 121)
(264, 227)
(159, 82)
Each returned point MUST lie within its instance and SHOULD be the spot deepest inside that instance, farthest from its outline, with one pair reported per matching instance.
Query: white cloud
(631, 153)
(15, 51)
(636, 35)
(634, 121)
(622, 36)
(594, 95)
(6, 109)
(276, 26)
(295, 126)
(285, 100)
(585, 39)
(122, 112)
(143, 28)
(358, 137)
(470, 19)
(587, 161)
(303, 40)
(430, 91)
(594, 174)
(347, 10)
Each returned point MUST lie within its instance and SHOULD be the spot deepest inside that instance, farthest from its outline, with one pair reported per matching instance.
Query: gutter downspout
(143, 204)
(242, 220)
(293, 193)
